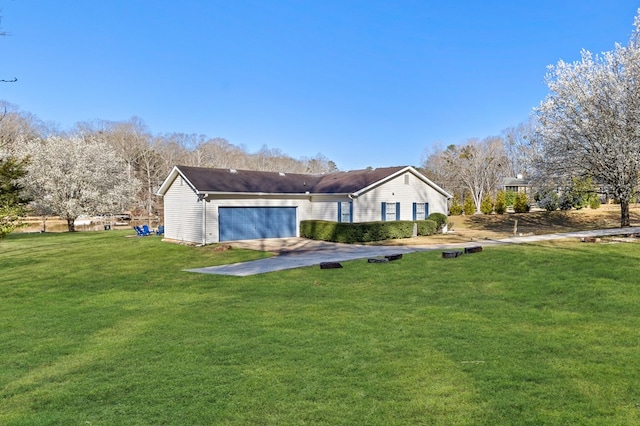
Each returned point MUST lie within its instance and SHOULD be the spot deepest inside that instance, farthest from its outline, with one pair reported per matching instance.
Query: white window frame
(390, 211)
(345, 211)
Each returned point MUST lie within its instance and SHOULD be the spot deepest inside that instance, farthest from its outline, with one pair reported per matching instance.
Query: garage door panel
(247, 223)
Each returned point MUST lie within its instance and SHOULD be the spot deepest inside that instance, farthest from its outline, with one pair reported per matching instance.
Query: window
(406, 179)
(511, 188)
(345, 212)
(390, 211)
(420, 211)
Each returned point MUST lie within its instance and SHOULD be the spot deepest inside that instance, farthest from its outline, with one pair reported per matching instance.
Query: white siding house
(206, 206)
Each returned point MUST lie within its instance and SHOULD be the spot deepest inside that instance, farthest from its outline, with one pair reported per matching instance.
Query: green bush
(501, 202)
(428, 227)
(510, 198)
(355, 232)
(567, 201)
(547, 198)
(456, 207)
(583, 192)
(521, 203)
(486, 206)
(439, 218)
(469, 206)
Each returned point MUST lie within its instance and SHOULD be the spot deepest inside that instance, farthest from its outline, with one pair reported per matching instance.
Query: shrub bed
(440, 219)
(428, 227)
(363, 232)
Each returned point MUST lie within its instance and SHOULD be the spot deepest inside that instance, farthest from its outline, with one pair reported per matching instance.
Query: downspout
(204, 218)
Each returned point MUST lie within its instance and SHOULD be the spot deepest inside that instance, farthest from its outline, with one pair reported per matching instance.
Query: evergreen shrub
(456, 207)
(510, 198)
(428, 227)
(439, 218)
(547, 198)
(486, 207)
(521, 203)
(469, 206)
(501, 202)
(355, 232)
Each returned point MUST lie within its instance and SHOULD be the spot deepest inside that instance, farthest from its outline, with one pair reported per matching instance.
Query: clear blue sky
(366, 83)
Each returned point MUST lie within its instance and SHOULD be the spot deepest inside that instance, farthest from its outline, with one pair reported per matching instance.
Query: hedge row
(363, 232)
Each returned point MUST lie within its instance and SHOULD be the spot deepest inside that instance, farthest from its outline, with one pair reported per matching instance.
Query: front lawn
(100, 329)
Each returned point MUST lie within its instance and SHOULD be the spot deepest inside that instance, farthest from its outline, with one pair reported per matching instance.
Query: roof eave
(175, 172)
(380, 182)
(259, 194)
(400, 172)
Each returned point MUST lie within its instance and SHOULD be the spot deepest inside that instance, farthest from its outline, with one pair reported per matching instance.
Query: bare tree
(17, 127)
(14, 79)
(125, 138)
(522, 147)
(590, 122)
(150, 172)
(438, 169)
(171, 151)
(319, 164)
(218, 153)
(477, 167)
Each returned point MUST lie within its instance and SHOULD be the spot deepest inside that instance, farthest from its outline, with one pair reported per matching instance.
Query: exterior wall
(368, 207)
(325, 208)
(182, 213)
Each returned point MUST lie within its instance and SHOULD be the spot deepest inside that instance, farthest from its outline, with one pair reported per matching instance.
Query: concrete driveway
(292, 253)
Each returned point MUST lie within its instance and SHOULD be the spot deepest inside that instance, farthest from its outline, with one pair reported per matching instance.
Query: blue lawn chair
(139, 231)
(146, 230)
(160, 230)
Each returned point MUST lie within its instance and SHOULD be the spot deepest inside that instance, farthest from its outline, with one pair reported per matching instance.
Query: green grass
(100, 329)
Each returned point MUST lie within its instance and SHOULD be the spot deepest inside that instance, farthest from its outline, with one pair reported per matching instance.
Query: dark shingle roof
(206, 180)
(352, 181)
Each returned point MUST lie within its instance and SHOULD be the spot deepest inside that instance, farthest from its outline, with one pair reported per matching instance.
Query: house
(204, 205)
(517, 184)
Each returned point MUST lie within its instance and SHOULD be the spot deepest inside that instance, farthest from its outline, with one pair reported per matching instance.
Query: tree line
(583, 138)
(106, 167)
(474, 170)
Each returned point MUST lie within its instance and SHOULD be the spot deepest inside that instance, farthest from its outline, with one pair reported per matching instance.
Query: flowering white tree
(590, 122)
(77, 176)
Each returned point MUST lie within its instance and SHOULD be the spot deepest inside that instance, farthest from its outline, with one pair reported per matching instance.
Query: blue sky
(366, 83)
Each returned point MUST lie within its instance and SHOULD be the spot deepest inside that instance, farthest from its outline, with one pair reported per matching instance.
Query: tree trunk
(624, 213)
(71, 224)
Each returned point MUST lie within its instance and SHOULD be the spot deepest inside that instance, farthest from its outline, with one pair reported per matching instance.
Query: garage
(249, 223)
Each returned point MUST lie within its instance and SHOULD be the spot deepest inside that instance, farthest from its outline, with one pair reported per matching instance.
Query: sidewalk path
(297, 253)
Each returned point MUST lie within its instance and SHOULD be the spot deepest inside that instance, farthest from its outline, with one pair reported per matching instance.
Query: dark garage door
(250, 223)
